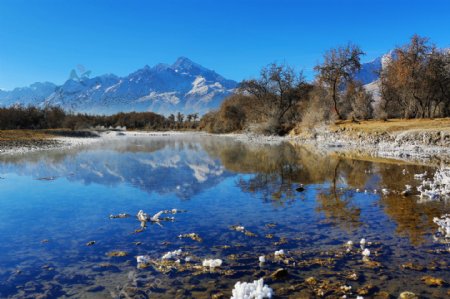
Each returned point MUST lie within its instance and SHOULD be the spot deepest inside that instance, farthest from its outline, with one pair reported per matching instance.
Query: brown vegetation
(270, 103)
(414, 83)
(394, 125)
(23, 135)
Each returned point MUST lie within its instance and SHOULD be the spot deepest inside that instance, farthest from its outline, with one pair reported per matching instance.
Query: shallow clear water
(52, 203)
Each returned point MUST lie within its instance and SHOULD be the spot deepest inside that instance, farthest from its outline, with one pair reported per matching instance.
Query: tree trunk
(335, 101)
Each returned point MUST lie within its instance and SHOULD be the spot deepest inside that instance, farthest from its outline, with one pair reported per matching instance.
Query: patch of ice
(142, 260)
(240, 228)
(366, 252)
(171, 254)
(443, 234)
(279, 253)
(212, 263)
(420, 176)
(251, 290)
(437, 188)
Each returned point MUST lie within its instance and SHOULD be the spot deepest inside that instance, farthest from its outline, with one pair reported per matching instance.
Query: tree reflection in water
(274, 172)
(337, 204)
(270, 172)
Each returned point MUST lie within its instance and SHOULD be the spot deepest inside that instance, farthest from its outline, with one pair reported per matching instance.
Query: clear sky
(44, 40)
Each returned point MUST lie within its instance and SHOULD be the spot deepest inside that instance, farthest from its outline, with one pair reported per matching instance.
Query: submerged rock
(240, 228)
(382, 295)
(412, 266)
(366, 290)
(311, 280)
(433, 281)
(121, 215)
(97, 288)
(300, 188)
(142, 261)
(408, 295)
(279, 274)
(372, 264)
(192, 236)
(249, 234)
(117, 253)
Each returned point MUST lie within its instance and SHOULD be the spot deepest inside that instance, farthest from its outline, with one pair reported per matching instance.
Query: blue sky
(44, 40)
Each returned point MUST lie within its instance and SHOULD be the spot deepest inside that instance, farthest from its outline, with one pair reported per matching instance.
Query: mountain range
(184, 86)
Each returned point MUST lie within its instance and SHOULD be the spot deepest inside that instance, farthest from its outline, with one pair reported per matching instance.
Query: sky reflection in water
(53, 203)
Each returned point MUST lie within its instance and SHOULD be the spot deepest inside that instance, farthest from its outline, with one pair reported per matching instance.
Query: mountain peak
(185, 63)
(184, 86)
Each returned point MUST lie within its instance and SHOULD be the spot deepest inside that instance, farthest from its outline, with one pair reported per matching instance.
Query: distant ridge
(184, 86)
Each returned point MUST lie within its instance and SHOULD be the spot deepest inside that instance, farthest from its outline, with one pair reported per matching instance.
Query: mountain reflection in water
(220, 182)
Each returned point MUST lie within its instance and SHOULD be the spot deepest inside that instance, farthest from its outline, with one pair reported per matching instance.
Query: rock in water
(408, 295)
(279, 274)
(433, 281)
(300, 189)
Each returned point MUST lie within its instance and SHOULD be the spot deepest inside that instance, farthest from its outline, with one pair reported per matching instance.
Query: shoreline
(418, 145)
(402, 143)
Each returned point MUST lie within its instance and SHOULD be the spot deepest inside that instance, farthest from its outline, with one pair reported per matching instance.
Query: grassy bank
(24, 135)
(377, 127)
(393, 125)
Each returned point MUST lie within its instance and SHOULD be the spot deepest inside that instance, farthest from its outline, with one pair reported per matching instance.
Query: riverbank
(417, 139)
(25, 141)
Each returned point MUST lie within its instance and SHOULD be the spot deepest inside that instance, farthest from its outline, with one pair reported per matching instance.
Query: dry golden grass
(395, 125)
(23, 135)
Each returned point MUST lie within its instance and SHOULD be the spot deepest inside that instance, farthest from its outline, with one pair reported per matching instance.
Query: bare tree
(180, 118)
(416, 81)
(275, 93)
(358, 101)
(337, 69)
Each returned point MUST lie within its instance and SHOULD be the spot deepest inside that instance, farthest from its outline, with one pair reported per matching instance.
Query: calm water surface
(53, 203)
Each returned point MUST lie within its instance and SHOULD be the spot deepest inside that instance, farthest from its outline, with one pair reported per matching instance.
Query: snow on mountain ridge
(184, 86)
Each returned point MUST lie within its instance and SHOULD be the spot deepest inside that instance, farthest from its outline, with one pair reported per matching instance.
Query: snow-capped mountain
(369, 71)
(35, 93)
(369, 74)
(184, 86)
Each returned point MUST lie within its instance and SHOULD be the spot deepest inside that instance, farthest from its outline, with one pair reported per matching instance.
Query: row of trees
(180, 121)
(414, 83)
(20, 117)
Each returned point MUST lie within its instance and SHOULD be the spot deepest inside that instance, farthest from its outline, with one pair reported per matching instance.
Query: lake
(240, 200)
